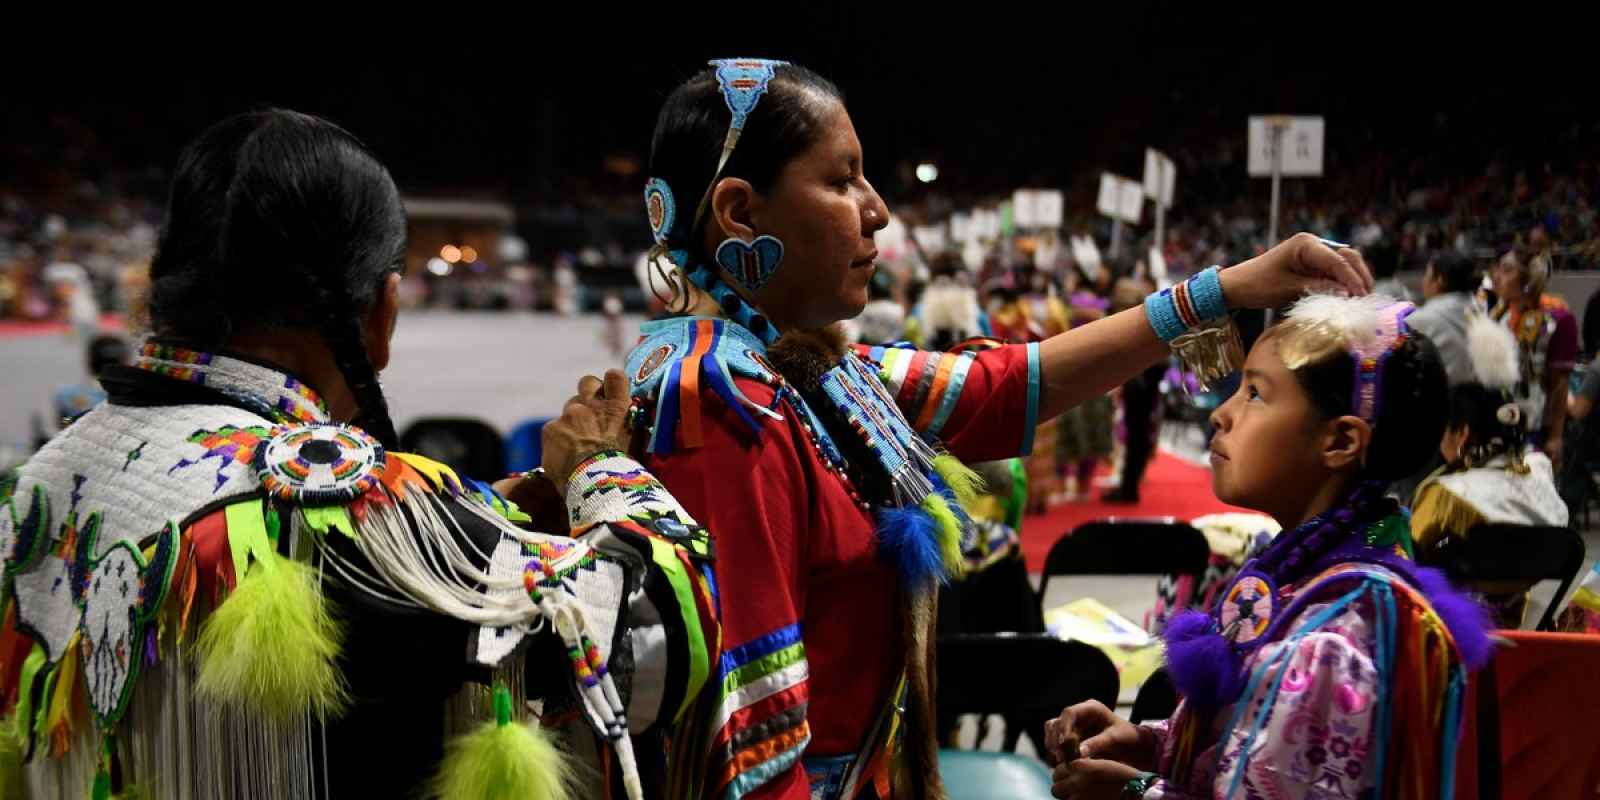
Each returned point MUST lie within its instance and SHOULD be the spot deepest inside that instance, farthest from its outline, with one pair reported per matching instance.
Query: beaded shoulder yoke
(914, 491)
(143, 540)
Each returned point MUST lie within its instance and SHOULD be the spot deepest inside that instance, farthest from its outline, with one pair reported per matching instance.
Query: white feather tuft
(1356, 318)
(1494, 354)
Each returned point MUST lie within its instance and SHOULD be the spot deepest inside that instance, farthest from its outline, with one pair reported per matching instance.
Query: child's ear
(1346, 443)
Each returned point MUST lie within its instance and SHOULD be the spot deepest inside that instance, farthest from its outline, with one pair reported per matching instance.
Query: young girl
(1489, 476)
(1332, 666)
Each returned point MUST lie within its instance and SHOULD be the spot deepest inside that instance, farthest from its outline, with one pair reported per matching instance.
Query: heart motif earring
(751, 264)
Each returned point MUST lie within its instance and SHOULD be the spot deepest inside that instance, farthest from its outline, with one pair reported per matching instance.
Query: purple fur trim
(1203, 665)
(1467, 620)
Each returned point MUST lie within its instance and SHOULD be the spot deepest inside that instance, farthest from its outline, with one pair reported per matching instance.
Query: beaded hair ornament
(1369, 328)
(742, 82)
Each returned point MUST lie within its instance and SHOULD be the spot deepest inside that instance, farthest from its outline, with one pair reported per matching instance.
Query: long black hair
(694, 121)
(280, 220)
(1409, 425)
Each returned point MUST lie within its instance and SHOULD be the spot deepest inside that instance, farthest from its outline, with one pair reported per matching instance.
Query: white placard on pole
(1050, 208)
(961, 227)
(1160, 177)
(1109, 200)
(1283, 146)
(1120, 199)
(1022, 209)
(1131, 207)
(1302, 142)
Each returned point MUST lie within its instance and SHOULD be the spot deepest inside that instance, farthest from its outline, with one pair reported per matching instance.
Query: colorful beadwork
(752, 264)
(229, 445)
(743, 81)
(174, 362)
(640, 486)
(551, 563)
(653, 362)
(660, 208)
(1369, 358)
(264, 391)
(22, 533)
(1248, 608)
(315, 465)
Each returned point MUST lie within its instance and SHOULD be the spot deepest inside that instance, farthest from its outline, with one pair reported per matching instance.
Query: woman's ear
(732, 201)
(1346, 442)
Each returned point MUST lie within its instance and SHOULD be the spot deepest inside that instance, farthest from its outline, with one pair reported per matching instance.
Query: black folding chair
(997, 600)
(1027, 678)
(1164, 546)
(1512, 553)
(468, 446)
(1157, 698)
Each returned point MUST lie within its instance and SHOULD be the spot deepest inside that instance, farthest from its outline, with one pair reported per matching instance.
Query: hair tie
(1509, 414)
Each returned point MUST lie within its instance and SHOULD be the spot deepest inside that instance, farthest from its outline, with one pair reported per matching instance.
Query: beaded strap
(705, 277)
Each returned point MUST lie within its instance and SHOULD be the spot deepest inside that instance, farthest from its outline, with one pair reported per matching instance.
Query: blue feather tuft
(908, 538)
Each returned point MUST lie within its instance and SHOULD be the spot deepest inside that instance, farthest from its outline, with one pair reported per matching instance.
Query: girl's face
(1268, 453)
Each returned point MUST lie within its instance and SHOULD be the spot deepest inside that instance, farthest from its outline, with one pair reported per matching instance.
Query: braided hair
(278, 219)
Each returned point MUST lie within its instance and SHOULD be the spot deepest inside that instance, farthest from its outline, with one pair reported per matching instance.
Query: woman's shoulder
(680, 363)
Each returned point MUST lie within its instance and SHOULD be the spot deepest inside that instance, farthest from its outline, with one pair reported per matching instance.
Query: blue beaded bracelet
(1206, 290)
(1162, 312)
(1203, 296)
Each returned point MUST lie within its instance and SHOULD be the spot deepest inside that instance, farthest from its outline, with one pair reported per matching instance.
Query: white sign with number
(1107, 201)
(1132, 206)
(1160, 177)
(1302, 141)
(1022, 209)
(1120, 198)
(1049, 208)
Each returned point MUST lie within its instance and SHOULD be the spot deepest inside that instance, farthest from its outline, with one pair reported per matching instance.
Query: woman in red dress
(828, 472)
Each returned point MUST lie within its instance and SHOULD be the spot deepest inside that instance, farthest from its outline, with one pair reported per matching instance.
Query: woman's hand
(593, 421)
(1091, 779)
(1284, 274)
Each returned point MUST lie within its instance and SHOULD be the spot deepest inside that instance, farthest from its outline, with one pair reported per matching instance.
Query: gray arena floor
(500, 367)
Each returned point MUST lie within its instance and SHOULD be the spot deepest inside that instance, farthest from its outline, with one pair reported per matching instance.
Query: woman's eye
(1251, 393)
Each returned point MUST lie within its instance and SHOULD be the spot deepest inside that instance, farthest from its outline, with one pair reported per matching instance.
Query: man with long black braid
(216, 586)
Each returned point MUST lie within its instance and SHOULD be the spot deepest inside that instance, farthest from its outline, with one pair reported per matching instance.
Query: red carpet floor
(1172, 488)
(109, 323)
